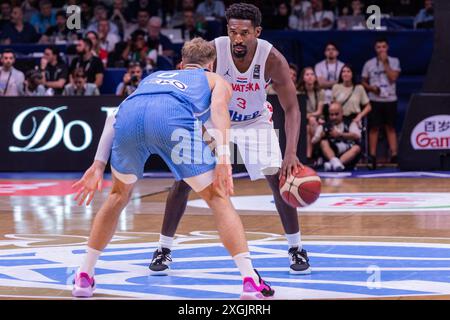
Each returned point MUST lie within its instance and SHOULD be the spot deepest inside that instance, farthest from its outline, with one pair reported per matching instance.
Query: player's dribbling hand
(91, 181)
(223, 179)
(290, 165)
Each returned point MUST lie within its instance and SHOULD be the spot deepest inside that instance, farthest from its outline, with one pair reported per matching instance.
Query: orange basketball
(302, 189)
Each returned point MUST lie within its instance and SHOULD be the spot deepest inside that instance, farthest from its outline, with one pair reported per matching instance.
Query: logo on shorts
(256, 71)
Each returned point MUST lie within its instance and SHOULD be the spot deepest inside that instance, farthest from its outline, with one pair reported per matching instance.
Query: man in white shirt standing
(379, 78)
(328, 70)
(11, 79)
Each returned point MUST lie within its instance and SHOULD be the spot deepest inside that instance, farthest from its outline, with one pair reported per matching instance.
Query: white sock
(90, 260)
(294, 240)
(165, 242)
(245, 266)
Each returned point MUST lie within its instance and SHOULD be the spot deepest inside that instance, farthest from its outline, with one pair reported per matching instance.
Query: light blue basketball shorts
(164, 125)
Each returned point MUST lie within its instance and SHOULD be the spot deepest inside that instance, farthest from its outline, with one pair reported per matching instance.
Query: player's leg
(176, 203)
(265, 149)
(298, 257)
(127, 164)
(232, 235)
(103, 228)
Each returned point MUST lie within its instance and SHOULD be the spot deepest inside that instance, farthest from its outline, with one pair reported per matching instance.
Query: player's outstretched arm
(220, 96)
(92, 179)
(278, 71)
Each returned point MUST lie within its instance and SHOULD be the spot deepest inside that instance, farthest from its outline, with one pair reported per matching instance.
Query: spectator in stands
(96, 50)
(80, 85)
(86, 14)
(5, 13)
(45, 18)
(352, 18)
(189, 28)
(151, 6)
(334, 6)
(137, 50)
(29, 9)
(293, 69)
(315, 97)
(156, 40)
(100, 13)
(339, 140)
(143, 17)
(54, 71)
(379, 77)
(301, 17)
(18, 31)
(321, 19)
(107, 40)
(11, 79)
(119, 16)
(328, 70)
(281, 18)
(425, 17)
(34, 85)
(211, 8)
(131, 80)
(59, 33)
(91, 65)
(351, 96)
(178, 15)
(69, 3)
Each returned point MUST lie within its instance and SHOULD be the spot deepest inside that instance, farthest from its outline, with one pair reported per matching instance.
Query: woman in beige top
(315, 97)
(351, 96)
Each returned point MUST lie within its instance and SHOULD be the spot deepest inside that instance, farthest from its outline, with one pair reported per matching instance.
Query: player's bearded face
(239, 50)
(243, 36)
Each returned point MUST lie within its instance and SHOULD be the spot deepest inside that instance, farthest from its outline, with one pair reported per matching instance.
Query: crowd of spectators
(339, 109)
(131, 35)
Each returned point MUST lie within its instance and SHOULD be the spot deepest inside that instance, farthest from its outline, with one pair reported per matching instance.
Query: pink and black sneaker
(253, 291)
(83, 285)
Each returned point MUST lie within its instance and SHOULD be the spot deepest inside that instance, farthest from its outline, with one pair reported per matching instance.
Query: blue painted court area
(348, 269)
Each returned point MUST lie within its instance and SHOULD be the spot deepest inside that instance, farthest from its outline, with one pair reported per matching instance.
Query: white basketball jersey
(249, 88)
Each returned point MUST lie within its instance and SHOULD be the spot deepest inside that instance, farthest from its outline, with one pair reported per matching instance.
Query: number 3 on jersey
(241, 103)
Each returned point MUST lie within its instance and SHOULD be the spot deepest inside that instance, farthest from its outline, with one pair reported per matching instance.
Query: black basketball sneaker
(160, 265)
(299, 261)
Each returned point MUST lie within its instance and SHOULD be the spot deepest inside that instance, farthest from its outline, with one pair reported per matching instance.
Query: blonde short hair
(198, 51)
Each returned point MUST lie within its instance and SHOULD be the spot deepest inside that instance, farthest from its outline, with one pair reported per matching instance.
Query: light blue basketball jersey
(189, 86)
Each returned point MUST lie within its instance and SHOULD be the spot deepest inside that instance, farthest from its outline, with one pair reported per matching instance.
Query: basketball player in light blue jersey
(168, 104)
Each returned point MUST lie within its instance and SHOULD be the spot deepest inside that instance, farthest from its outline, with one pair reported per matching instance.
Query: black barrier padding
(438, 80)
(78, 115)
(421, 107)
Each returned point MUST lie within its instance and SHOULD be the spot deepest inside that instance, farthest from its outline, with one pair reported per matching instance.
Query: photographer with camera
(33, 85)
(131, 80)
(339, 140)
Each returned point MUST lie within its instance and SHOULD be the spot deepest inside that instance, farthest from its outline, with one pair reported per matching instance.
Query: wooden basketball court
(387, 235)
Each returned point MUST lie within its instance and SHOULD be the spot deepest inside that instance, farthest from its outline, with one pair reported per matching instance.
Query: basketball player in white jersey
(248, 64)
